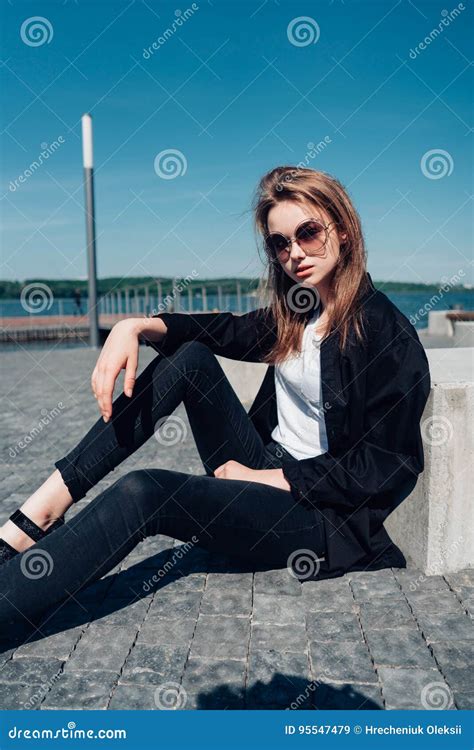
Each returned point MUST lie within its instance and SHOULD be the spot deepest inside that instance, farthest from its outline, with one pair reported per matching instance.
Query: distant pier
(54, 328)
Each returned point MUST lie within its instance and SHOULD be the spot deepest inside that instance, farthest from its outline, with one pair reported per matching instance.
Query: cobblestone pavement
(211, 634)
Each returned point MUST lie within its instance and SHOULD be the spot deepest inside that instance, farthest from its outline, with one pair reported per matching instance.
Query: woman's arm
(120, 352)
(389, 455)
(242, 337)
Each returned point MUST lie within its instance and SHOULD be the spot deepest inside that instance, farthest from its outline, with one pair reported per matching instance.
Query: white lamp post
(88, 162)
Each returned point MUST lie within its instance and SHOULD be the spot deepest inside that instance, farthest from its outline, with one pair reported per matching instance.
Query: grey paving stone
(153, 665)
(229, 581)
(434, 602)
(453, 653)
(464, 701)
(167, 632)
(367, 590)
(329, 601)
(80, 690)
(277, 582)
(342, 661)
(32, 671)
(385, 615)
(117, 613)
(330, 626)
(415, 580)
(467, 603)
(278, 679)
(221, 601)
(439, 627)
(283, 609)
(463, 593)
(459, 678)
(316, 590)
(58, 645)
(5, 655)
(401, 647)
(175, 605)
(462, 578)
(101, 647)
(346, 697)
(133, 698)
(370, 575)
(183, 584)
(213, 684)
(221, 637)
(415, 689)
(18, 697)
(281, 638)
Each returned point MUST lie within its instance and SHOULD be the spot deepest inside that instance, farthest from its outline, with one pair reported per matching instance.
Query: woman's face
(284, 218)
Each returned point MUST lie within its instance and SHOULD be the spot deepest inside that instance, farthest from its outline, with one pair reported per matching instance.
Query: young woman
(330, 446)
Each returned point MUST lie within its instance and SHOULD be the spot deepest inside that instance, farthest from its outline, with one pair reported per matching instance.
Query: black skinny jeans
(255, 522)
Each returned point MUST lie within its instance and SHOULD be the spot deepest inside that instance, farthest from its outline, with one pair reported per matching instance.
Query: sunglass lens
(310, 234)
(276, 244)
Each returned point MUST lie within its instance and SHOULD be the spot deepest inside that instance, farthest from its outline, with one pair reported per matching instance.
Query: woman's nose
(295, 250)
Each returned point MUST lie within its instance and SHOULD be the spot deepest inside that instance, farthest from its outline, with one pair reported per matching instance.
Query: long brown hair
(349, 281)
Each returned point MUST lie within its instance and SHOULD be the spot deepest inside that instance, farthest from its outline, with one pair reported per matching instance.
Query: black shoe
(30, 528)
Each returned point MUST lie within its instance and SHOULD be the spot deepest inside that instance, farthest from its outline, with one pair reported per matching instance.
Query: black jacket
(374, 395)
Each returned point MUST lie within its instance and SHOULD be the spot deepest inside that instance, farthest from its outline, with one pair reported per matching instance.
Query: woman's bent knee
(195, 353)
(134, 486)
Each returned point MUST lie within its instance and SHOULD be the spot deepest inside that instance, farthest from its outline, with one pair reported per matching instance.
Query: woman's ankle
(49, 502)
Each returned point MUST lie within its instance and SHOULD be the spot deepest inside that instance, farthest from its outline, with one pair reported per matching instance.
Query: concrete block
(434, 525)
(439, 324)
(463, 333)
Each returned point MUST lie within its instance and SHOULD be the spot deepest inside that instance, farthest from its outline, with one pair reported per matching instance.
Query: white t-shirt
(301, 427)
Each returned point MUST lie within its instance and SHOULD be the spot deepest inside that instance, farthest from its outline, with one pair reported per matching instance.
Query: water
(410, 303)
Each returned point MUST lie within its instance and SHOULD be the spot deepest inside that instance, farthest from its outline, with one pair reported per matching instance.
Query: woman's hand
(120, 352)
(234, 470)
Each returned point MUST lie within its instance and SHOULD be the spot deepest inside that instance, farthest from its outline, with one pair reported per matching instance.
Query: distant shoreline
(63, 288)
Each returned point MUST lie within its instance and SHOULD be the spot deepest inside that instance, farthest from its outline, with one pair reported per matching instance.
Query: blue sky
(236, 92)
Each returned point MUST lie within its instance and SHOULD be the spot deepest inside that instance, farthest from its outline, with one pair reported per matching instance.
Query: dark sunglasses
(311, 235)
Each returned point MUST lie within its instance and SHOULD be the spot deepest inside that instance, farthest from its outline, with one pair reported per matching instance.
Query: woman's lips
(305, 272)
